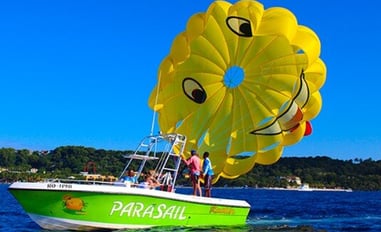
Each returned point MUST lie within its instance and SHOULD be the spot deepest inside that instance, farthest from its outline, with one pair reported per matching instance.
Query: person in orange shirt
(194, 165)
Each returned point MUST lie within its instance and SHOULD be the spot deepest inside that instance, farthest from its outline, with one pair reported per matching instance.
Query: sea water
(271, 210)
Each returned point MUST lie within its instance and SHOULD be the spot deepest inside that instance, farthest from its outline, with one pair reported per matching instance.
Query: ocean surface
(271, 210)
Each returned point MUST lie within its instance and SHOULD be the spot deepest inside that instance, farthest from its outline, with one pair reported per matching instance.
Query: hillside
(321, 172)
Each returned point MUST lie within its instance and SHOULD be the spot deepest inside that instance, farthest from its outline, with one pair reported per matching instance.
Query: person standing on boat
(208, 173)
(194, 165)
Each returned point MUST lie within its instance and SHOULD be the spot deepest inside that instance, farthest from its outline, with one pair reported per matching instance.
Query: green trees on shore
(71, 160)
(318, 172)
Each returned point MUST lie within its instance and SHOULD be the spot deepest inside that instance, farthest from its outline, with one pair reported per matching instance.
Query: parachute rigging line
(154, 111)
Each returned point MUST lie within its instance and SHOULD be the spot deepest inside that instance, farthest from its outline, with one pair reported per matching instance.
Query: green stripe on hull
(127, 209)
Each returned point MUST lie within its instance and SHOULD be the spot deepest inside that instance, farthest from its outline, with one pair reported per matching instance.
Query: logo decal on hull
(139, 210)
(221, 210)
(73, 205)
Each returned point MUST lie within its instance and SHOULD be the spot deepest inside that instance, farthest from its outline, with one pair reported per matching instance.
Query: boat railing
(162, 154)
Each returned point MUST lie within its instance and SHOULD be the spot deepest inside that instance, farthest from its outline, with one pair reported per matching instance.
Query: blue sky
(81, 72)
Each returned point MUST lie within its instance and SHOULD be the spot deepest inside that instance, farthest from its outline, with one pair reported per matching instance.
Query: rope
(154, 111)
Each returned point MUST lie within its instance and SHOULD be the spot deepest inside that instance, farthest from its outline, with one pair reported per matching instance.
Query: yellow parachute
(240, 82)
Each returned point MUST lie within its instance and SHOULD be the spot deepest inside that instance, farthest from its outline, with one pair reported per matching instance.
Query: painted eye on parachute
(239, 26)
(193, 90)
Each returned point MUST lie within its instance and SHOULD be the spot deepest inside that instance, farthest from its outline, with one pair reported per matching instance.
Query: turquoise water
(271, 210)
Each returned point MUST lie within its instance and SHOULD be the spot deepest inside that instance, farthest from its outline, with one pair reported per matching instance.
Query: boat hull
(66, 206)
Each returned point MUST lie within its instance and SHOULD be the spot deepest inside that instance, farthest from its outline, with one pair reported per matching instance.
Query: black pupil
(198, 95)
(245, 28)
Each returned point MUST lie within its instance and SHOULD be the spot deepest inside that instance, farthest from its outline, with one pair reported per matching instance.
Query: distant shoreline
(310, 189)
(263, 188)
(278, 188)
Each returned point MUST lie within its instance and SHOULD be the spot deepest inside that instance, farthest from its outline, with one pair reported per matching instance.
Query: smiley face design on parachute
(288, 120)
(240, 82)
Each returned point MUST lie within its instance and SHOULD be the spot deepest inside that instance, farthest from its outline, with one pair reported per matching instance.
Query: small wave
(362, 223)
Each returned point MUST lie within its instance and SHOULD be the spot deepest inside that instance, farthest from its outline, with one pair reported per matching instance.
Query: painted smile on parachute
(292, 114)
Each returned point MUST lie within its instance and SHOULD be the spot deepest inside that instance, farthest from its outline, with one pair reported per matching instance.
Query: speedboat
(67, 204)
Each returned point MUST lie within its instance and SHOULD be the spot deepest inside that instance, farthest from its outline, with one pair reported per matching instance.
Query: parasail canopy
(241, 82)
